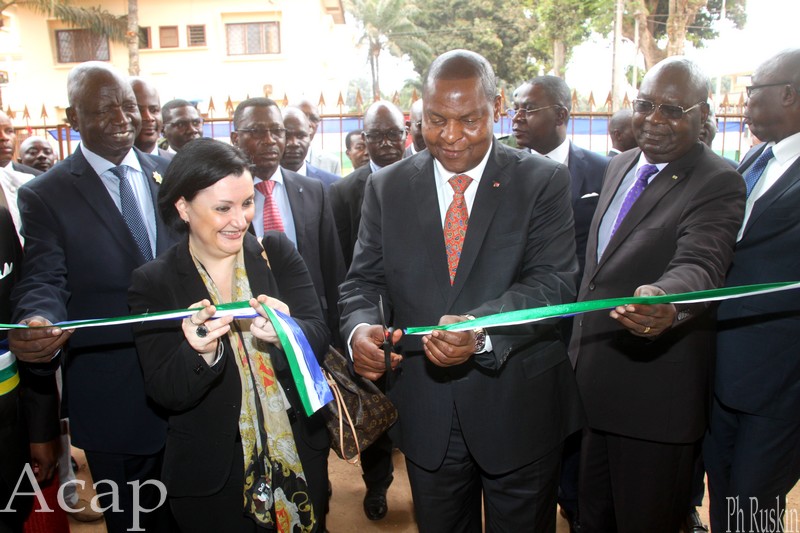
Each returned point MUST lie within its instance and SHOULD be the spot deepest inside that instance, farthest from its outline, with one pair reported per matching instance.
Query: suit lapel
(91, 187)
(577, 172)
(786, 182)
(673, 174)
(297, 202)
(487, 199)
(426, 202)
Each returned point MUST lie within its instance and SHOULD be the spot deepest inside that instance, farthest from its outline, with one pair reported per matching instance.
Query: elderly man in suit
(298, 141)
(751, 449)
(289, 202)
(150, 110)
(88, 223)
(384, 137)
(539, 122)
(665, 223)
(469, 227)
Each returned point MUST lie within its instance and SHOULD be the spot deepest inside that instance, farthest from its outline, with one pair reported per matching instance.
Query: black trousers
(449, 498)
(752, 463)
(115, 469)
(630, 485)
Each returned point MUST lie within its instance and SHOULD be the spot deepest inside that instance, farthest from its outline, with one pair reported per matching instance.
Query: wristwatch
(480, 336)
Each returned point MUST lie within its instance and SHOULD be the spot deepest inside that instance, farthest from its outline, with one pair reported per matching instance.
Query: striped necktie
(272, 217)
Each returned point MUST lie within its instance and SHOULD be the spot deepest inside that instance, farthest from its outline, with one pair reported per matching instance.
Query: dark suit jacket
(166, 154)
(29, 413)
(679, 236)
(519, 401)
(317, 242)
(347, 195)
(204, 402)
(327, 178)
(19, 167)
(586, 170)
(758, 369)
(79, 259)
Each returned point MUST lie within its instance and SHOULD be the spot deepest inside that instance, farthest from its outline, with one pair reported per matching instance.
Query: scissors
(387, 343)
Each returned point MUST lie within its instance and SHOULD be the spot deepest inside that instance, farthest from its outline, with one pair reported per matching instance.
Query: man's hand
(37, 345)
(367, 346)
(449, 348)
(646, 320)
(44, 459)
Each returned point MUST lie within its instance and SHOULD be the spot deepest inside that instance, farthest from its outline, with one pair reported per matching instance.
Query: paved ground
(347, 515)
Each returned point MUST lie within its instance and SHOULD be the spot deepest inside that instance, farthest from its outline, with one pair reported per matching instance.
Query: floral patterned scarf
(275, 490)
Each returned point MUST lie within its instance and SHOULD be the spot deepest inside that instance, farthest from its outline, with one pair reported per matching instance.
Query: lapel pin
(495, 184)
(674, 177)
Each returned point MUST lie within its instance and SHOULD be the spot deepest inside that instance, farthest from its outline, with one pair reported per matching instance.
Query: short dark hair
(174, 104)
(199, 165)
(348, 143)
(258, 101)
(462, 65)
(556, 88)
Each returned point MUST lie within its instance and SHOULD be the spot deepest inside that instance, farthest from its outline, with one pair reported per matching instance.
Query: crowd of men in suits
(606, 414)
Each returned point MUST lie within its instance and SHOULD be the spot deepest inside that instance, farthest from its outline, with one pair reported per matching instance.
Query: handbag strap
(342, 408)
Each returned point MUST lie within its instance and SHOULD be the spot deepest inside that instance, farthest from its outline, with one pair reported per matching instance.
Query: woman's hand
(261, 327)
(203, 334)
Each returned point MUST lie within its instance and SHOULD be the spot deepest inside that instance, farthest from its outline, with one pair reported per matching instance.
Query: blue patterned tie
(753, 173)
(130, 212)
(642, 175)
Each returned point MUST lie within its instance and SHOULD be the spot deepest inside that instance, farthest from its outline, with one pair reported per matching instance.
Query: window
(168, 36)
(144, 37)
(75, 46)
(253, 38)
(196, 35)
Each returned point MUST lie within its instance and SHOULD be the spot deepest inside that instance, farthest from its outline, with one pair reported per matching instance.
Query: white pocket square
(590, 195)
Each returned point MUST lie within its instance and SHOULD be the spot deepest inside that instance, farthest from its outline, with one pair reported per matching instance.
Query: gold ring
(646, 330)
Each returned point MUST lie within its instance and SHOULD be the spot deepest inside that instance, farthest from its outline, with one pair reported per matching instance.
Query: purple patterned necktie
(642, 175)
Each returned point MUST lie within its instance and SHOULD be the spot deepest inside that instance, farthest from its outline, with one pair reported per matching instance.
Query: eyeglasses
(261, 133)
(674, 112)
(523, 112)
(750, 88)
(378, 136)
(183, 124)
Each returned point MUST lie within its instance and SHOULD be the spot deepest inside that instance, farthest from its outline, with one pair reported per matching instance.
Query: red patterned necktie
(455, 223)
(272, 217)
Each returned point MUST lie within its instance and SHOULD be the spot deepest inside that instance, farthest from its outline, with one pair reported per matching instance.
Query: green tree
(94, 19)
(564, 24)
(387, 25)
(676, 22)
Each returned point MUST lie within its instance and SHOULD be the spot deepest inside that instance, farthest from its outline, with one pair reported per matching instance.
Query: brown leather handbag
(359, 412)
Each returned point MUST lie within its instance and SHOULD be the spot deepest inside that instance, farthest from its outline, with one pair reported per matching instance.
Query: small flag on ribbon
(9, 377)
(311, 384)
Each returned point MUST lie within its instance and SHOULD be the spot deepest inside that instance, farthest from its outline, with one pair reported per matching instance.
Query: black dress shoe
(694, 524)
(375, 504)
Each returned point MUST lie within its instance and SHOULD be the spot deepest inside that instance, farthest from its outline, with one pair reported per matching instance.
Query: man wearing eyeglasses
(751, 448)
(182, 123)
(666, 223)
(289, 202)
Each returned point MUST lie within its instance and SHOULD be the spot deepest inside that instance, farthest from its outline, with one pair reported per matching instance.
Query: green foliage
(570, 21)
(94, 19)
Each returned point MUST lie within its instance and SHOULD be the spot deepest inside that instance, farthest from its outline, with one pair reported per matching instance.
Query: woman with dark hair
(241, 454)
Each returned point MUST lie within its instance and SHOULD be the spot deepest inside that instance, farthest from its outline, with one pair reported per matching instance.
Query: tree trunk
(647, 42)
(133, 37)
(559, 53)
(374, 54)
(681, 14)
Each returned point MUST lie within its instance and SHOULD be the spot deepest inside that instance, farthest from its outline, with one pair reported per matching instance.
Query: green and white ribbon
(510, 318)
(525, 316)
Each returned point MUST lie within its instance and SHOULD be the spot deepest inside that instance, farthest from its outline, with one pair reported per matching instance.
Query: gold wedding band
(646, 329)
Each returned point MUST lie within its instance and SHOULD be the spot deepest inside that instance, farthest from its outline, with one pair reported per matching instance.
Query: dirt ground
(347, 515)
